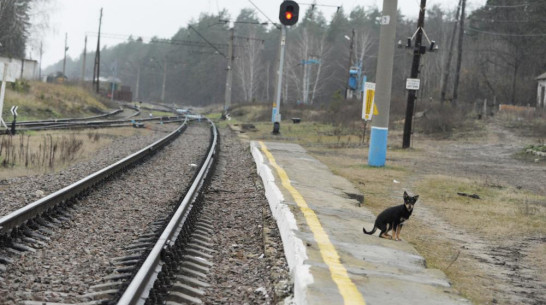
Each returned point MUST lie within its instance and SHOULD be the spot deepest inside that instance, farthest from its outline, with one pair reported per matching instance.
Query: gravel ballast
(249, 263)
(81, 250)
(17, 192)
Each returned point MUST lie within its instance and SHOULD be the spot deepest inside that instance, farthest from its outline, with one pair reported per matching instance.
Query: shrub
(440, 120)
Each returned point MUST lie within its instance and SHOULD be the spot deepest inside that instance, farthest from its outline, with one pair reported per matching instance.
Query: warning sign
(368, 102)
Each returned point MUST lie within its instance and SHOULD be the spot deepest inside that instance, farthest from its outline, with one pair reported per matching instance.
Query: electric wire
(267, 17)
(209, 43)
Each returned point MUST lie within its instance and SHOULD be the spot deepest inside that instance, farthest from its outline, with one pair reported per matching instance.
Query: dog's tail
(371, 232)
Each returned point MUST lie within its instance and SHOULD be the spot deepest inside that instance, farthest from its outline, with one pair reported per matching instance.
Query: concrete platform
(331, 260)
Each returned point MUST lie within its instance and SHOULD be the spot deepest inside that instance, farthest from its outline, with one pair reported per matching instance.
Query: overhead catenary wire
(209, 43)
(267, 17)
(506, 34)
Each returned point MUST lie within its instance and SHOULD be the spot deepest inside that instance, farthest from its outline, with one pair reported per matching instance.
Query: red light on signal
(288, 13)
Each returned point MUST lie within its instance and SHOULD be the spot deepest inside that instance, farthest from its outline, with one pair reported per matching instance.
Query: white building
(541, 91)
(17, 68)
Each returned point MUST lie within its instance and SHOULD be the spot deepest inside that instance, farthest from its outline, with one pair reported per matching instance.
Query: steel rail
(19, 217)
(96, 124)
(139, 288)
(63, 120)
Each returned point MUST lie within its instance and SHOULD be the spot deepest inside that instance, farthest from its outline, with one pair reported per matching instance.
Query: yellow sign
(368, 102)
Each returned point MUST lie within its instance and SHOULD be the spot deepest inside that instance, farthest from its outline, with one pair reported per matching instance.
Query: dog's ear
(416, 197)
(405, 195)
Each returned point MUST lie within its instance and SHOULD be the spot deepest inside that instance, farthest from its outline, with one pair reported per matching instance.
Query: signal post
(288, 15)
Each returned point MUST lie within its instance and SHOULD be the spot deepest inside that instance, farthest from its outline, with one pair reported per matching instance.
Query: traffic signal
(288, 15)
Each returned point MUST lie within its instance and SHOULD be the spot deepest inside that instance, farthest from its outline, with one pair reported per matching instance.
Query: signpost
(14, 113)
(413, 83)
(368, 102)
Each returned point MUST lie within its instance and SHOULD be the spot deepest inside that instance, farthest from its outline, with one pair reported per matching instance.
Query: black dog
(393, 218)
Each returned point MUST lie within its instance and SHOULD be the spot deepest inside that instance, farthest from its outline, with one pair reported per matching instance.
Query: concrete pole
(40, 68)
(65, 49)
(84, 59)
(277, 105)
(164, 80)
(351, 48)
(229, 76)
(96, 68)
(137, 89)
(380, 124)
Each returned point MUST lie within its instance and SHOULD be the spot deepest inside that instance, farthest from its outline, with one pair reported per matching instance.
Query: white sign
(368, 105)
(413, 83)
(385, 20)
(14, 110)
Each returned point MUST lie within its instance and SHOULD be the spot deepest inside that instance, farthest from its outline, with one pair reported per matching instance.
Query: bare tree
(248, 66)
(305, 65)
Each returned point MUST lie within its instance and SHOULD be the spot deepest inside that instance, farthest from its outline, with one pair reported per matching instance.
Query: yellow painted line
(339, 274)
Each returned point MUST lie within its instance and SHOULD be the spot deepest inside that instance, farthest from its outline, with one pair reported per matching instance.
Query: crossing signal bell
(289, 12)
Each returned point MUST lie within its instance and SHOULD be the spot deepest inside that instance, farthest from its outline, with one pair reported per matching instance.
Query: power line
(506, 34)
(259, 10)
(210, 44)
(508, 6)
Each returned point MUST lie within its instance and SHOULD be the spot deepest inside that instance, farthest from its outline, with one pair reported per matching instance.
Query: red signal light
(289, 11)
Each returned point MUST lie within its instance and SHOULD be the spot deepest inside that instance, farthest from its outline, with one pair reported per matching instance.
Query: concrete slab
(331, 260)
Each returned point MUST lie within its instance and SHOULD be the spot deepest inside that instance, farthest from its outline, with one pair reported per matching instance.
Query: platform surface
(331, 260)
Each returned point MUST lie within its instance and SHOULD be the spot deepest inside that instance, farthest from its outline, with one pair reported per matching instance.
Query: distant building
(541, 91)
(18, 68)
(57, 78)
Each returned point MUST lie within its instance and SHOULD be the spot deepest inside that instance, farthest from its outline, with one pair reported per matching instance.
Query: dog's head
(409, 201)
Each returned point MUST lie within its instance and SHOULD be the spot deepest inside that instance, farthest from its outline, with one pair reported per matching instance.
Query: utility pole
(351, 48)
(229, 76)
(137, 89)
(417, 51)
(377, 152)
(96, 69)
(65, 49)
(449, 56)
(459, 54)
(84, 59)
(164, 79)
(40, 67)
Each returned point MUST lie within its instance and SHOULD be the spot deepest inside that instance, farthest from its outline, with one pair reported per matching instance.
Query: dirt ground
(493, 252)
(512, 268)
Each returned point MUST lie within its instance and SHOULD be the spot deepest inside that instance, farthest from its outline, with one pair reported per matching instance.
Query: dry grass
(500, 211)
(46, 101)
(440, 253)
(35, 153)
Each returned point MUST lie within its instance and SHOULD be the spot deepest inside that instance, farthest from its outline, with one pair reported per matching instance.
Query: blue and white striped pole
(377, 152)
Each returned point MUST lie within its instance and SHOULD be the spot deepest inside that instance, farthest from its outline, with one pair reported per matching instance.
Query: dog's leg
(384, 234)
(397, 233)
(389, 228)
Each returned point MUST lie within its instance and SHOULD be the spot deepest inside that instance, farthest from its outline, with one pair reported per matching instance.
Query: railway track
(83, 124)
(32, 235)
(109, 245)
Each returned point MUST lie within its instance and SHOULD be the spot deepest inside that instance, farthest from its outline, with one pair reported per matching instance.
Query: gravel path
(80, 251)
(249, 264)
(15, 193)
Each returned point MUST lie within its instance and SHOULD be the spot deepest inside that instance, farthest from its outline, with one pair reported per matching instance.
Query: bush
(440, 120)
(21, 86)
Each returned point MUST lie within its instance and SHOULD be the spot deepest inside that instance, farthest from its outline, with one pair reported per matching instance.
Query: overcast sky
(163, 18)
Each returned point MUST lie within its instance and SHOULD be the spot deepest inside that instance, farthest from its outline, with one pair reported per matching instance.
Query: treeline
(502, 53)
